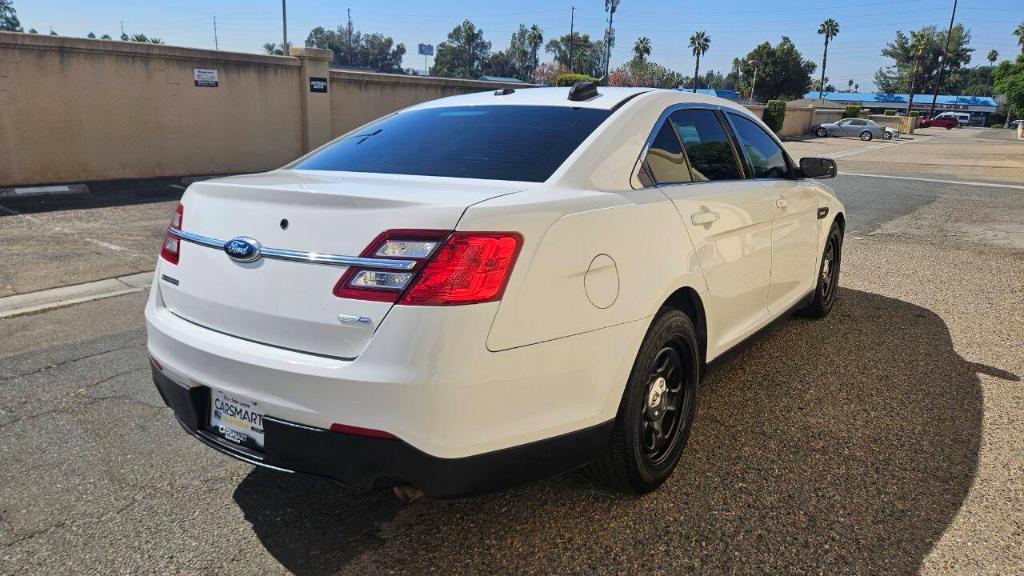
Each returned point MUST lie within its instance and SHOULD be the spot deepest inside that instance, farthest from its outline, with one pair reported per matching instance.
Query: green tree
(992, 56)
(929, 42)
(919, 47)
(91, 35)
(463, 54)
(146, 39)
(699, 44)
(354, 48)
(106, 37)
(641, 49)
(1019, 33)
(587, 56)
(642, 73)
(9, 17)
(1009, 81)
(274, 49)
(782, 72)
(829, 29)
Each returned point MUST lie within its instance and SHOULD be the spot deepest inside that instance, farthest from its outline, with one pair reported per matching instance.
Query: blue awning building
(979, 107)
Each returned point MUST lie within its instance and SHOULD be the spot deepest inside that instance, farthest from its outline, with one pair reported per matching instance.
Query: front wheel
(821, 132)
(866, 136)
(828, 276)
(657, 407)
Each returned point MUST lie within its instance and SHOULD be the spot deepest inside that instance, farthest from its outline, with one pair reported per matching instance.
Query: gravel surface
(885, 439)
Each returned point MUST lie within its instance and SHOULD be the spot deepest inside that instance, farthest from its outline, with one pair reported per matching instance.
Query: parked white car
(489, 288)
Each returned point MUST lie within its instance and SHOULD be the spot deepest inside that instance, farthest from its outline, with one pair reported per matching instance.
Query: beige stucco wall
(78, 109)
(359, 97)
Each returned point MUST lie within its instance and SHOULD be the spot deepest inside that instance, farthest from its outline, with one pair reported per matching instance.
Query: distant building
(502, 79)
(727, 94)
(979, 107)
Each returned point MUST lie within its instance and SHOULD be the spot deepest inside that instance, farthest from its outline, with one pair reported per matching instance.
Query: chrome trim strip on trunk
(296, 256)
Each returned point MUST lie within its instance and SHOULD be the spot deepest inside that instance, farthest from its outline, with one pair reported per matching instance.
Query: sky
(735, 26)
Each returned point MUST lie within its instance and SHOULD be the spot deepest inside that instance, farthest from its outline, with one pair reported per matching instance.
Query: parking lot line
(940, 181)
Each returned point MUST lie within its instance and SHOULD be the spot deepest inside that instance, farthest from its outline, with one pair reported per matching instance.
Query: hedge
(851, 112)
(914, 114)
(570, 79)
(774, 114)
(890, 113)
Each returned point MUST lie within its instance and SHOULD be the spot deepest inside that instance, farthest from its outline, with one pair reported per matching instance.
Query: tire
(949, 127)
(827, 285)
(821, 133)
(656, 410)
(866, 136)
(886, 135)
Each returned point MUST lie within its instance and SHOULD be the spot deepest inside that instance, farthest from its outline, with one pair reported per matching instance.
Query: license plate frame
(236, 420)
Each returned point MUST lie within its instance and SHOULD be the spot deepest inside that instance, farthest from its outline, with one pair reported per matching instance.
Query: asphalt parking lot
(886, 439)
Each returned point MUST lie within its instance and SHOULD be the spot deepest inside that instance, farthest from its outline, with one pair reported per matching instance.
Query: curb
(43, 300)
(58, 190)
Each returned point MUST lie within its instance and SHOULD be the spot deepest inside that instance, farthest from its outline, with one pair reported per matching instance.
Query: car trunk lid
(290, 303)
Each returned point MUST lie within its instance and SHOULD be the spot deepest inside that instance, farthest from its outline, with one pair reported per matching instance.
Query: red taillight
(171, 249)
(452, 268)
(470, 268)
(387, 285)
(366, 432)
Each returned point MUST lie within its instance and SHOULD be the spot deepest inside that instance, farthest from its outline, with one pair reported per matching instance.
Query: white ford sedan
(486, 289)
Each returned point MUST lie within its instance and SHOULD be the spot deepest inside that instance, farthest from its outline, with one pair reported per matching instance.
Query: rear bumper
(369, 462)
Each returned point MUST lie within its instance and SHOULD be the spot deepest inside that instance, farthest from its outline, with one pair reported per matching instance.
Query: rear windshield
(524, 143)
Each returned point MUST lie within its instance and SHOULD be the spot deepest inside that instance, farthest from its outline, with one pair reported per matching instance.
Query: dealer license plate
(236, 419)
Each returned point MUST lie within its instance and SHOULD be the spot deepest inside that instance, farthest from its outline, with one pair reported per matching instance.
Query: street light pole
(572, 24)
(284, 26)
(942, 61)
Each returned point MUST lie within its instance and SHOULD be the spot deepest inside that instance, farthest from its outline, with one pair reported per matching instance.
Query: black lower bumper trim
(369, 462)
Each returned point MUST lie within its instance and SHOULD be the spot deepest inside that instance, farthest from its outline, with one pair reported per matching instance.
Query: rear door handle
(700, 218)
(781, 203)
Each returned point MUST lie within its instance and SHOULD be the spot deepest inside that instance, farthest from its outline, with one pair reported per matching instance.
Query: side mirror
(818, 167)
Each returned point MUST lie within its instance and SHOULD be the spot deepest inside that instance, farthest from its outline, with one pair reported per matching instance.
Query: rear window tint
(526, 143)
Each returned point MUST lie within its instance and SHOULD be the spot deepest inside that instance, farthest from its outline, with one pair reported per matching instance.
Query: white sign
(206, 77)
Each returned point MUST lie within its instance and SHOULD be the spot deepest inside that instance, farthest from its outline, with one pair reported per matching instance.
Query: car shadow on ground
(843, 445)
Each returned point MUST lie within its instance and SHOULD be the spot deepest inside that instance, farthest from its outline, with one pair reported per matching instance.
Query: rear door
(693, 160)
(795, 220)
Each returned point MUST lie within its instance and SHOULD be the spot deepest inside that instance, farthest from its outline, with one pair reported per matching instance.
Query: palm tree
(1019, 33)
(534, 39)
(856, 87)
(699, 44)
(918, 47)
(830, 29)
(641, 48)
(992, 56)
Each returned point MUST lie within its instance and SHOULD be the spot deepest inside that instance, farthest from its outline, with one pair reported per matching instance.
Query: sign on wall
(317, 84)
(205, 77)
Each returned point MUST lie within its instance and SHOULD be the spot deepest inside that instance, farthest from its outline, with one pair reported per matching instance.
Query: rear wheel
(828, 276)
(886, 135)
(657, 408)
(821, 132)
(866, 135)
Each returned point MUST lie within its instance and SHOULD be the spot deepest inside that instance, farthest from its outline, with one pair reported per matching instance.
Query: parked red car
(947, 123)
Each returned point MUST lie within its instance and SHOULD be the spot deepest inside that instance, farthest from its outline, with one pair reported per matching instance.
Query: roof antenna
(582, 90)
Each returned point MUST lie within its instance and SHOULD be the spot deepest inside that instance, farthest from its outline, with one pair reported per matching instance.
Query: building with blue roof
(727, 94)
(979, 107)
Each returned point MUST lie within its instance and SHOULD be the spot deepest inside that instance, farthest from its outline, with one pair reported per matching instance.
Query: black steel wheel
(828, 275)
(657, 408)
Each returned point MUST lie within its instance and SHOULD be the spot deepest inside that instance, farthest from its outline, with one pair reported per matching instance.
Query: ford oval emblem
(243, 249)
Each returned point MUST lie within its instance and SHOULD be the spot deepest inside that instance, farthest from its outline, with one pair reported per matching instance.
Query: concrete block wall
(77, 109)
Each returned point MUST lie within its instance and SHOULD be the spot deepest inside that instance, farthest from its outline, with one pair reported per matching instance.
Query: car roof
(608, 98)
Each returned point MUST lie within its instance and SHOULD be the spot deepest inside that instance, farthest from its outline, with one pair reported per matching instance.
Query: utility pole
(753, 83)
(572, 23)
(942, 60)
(611, 5)
(122, 28)
(284, 26)
(349, 11)
(216, 43)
